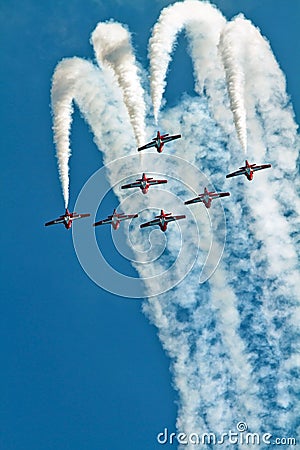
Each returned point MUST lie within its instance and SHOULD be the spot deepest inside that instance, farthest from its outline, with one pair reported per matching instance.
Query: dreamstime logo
(239, 436)
(162, 260)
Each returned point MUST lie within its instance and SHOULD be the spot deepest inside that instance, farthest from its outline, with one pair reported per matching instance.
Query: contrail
(113, 49)
(233, 48)
(62, 94)
(203, 22)
(68, 75)
(216, 302)
(203, 32)
(272, 137)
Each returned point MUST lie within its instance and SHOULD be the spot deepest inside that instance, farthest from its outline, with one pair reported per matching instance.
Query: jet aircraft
(162, 220)
(67, 219)
(207, 197)
(143, 183)
(115, 219)
(248, 170)
(159, 141)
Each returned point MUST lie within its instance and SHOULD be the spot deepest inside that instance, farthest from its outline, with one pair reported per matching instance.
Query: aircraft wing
(127, 216)
(170, 138)
(193, 200)
(236, 173)
(260, 167)
(79, 216)
(219, 194)
(131, 185)
(102, 222)
(172, 218)
(149, 145)
(151, 223)
(54, 222)
(153, 182)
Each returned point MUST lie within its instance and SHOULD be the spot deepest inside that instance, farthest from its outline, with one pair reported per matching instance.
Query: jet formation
(144, 183)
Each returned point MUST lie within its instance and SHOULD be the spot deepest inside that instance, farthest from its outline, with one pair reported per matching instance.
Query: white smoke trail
(203, 23)
(272, 137)
(94, 92)
(233, 50)
(284, 122)
(113, 49)
(207, 151)
(62, 94)
(68, 74)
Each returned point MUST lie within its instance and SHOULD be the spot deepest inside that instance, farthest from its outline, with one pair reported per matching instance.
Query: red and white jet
(162, 220)
(207, 197)
(67, 219)
(248, 170)
(143, 183)
(159, 141)
(115, 219)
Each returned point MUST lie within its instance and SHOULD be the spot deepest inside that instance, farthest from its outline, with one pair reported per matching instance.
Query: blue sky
(81, 368)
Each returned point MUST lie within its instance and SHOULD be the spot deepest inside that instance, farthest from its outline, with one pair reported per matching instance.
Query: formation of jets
(145, 182)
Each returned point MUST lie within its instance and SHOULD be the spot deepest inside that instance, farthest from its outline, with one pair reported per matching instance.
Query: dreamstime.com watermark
(240, 436)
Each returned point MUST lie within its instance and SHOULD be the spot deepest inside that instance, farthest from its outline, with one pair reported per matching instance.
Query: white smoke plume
(272, 138)
(62, 94)
(233, 48)
(203, 24)
(113, 49)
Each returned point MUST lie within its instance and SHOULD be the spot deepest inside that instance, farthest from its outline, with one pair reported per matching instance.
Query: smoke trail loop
(203, 23)
(113, 49)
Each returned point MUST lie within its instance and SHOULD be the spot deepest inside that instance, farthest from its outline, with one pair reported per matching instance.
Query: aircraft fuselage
(159, 145)
(115, 223)
(207, 201)
(67, 222)
(249, 173)
(144, 187)
(163, 224)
